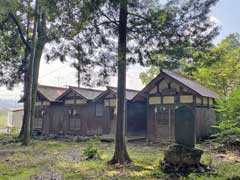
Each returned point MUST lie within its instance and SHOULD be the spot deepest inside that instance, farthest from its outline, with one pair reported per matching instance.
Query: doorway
(164, 118)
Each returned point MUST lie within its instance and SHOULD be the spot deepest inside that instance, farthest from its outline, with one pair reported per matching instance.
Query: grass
(3, 119)
(65, 160)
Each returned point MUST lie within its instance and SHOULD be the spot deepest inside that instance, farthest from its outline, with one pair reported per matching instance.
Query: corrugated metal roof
(192, 84)
(51, 92)
(130, 93)
(89, 94)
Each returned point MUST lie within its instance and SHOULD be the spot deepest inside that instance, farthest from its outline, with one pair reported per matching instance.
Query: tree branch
(20, 31)
(109, 19)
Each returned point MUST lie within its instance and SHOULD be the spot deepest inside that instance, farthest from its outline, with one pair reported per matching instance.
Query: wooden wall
(76, 120)
(162, 100)
(204, 119)
(60, 118)
(136, 118)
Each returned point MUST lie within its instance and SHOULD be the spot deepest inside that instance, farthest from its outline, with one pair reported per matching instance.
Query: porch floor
(130, 138)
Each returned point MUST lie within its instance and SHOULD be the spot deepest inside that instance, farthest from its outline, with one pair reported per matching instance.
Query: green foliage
(91, 152)
(229, 115)
(6, 6)
(146, 77)
(218, 67)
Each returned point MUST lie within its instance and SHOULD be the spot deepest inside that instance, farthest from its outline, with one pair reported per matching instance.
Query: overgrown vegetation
(66, 160)
(91, 152)
(217, 66)
(228, 127)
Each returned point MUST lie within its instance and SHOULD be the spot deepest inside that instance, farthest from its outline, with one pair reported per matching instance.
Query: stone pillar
(182, 156)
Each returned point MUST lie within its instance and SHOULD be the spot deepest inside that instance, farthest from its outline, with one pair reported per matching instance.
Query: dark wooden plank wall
(204, 118)
(40, 115)
(76, 120)
(136, 118)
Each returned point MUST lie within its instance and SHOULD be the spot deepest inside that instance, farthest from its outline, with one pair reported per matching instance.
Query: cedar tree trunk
(28, 98)
(121, 155)
(41, 41)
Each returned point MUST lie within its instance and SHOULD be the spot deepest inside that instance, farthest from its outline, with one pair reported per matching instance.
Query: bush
(229, 116)
(91, 152)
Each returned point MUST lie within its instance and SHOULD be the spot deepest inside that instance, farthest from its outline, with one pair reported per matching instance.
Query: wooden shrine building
(149, 112)
(168, 91)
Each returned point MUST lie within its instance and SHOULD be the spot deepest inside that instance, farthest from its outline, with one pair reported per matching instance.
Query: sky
(226, 13)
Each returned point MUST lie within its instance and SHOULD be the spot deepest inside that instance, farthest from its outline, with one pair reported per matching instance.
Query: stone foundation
(180, 158)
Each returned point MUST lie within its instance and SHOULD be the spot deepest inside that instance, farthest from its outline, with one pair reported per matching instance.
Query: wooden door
(56, 120)
(164, 120)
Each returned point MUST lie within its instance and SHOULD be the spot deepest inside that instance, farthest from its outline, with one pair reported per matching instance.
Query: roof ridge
(184, 76)
(74, 87)
(127, 89)
(47, 86)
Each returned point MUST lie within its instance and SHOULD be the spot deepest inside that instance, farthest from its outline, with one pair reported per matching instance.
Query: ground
(65, 160)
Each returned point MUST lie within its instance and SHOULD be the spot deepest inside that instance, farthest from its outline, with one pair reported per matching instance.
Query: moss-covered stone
(179, 157)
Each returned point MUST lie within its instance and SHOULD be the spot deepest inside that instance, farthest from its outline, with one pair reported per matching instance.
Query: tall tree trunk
(121, 155)
(26, 59)
(28, 98)
(41, 41)
(26, 71)
(40, 47)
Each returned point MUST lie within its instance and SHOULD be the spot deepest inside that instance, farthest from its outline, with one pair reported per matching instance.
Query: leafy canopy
(219, 67)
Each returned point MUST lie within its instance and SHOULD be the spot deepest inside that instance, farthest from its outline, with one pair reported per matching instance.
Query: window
(38, 103)
(211, 102)
(198, 100)
(81, 101)
(46, 103)
(155, 100)
(107, 102)
(186, 99)
(99, 109)
(112, 102)
(205, 101)
(168, 100)
(69, 101)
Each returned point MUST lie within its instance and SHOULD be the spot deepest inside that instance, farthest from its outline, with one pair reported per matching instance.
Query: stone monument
(183, 156)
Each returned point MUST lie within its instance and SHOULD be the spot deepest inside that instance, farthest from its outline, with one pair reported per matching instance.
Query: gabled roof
(51, 93)
(185, 81)
(192, 84)
(130, 93)
(86, 93)
(89, 94)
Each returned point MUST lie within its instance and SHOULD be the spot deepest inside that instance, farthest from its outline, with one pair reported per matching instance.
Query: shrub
(91, 152)
(229, 116)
